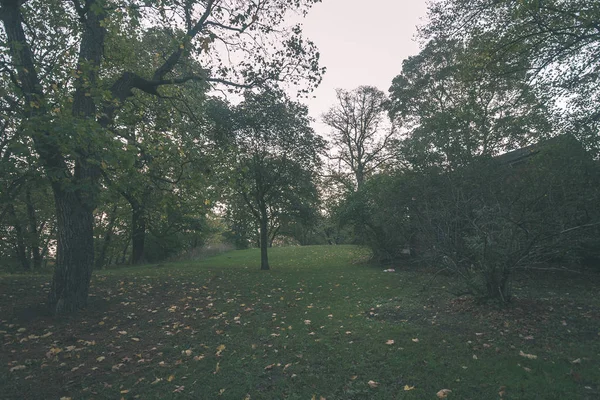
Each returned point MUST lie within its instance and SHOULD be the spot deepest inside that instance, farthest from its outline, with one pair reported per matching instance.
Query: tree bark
(75, 253)
(264, 238)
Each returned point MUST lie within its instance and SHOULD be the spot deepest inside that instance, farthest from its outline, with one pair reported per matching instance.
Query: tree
(360, 133)
(275, 160)
(554, 42)
(71, 94)
(454, 111)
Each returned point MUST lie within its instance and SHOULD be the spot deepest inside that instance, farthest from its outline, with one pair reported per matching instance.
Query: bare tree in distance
(361, 132)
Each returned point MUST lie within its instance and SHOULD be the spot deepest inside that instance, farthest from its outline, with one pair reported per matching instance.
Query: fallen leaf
(530, 356)
(53, 351)
(179, 389)
(373, 384)
(415, 340)
(100, 359)
(221, 392)
(578, 361)
(407, 388)
(442, 394)
(156, 381)
(17, 368)
(217, 369)
(170, 378)
(389, 342)
(502, 391)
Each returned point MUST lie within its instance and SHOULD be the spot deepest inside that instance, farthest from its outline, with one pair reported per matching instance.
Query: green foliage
(455, 110)
(492, 217)
(554, 42)
(90, 85)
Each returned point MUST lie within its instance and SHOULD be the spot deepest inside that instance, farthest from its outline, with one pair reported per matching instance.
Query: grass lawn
(322, 323)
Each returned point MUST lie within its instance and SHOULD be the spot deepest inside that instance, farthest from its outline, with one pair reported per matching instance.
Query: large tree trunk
(138, 229)
(264, 238)
(75, 252)
(138, 235)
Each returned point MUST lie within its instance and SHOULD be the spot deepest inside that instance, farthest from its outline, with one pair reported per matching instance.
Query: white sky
(362, 42)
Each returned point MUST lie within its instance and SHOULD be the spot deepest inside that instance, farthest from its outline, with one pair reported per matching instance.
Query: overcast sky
(361, 43)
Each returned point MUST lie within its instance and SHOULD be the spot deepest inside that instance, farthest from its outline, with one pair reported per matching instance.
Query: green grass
(314, 326)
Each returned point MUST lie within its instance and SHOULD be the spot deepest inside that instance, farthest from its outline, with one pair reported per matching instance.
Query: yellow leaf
(221, 392)
(407, 388)
(124, 391)
(217, 369)
(170, 378)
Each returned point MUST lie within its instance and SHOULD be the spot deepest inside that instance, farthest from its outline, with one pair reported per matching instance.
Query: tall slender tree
(275, 160)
